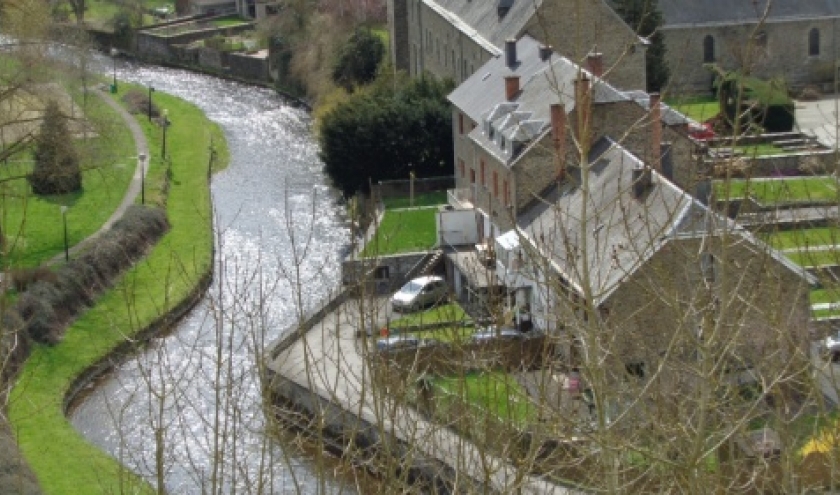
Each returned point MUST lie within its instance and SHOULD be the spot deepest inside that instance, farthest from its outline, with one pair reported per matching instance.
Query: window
(462, 168)
(495, 184)
(814, 42)
(761, 39)
(381, 273)
(506, 192)
(636, 369)
(708, 49)
(707, 266)
(472, 176)
(460, 123)
(483, 182)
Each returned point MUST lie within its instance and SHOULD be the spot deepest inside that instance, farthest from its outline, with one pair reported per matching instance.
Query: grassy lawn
(228, 21)
(433, 198)
(820, 189)
(754, 150)
(63, 461)
(815, 258)
(698, 108)
(449, 312)
(448, 335)
(787, 239)
(33, 225)
(825, 295)
(496, 393)
(403, 231)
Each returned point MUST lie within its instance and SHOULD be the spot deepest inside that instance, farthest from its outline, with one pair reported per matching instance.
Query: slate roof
(480, 17)
(698, 12)
(623, 232)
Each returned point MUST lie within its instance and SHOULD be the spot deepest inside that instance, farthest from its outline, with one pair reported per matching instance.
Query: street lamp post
(164, 123)
(142, 158)
(66, 244)
(114, 53)
(151, 90)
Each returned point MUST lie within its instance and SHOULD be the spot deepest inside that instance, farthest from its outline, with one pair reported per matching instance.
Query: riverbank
(168, 281)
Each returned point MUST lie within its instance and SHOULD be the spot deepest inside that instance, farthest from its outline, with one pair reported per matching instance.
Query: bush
(51, 302)
(15, 476)
(137, 103)
(22, 278)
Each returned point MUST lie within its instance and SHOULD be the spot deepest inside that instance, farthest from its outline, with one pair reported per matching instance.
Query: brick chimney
(558, 134)
(511, 86)
(656, 132)
(595, 63)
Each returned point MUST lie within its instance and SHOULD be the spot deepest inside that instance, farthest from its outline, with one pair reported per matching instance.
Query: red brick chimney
(656, 131)
(511, 86)
(558, 134)
(595, 63)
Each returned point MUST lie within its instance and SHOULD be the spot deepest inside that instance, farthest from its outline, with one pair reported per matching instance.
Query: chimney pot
(545, 52)
(511, 86)
(595, 63)
(641, 181)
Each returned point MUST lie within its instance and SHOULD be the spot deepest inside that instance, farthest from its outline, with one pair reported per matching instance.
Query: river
(192, 402)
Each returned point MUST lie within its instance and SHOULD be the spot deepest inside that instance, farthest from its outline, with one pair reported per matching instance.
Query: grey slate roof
(690, 12)
(482, 96)
(623, 232)
(482, 17)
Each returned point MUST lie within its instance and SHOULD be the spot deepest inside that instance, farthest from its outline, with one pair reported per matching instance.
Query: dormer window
(503, 7)
(502, 144)
(491, 133)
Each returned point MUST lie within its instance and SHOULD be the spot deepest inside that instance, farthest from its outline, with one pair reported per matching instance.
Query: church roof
(699, 12)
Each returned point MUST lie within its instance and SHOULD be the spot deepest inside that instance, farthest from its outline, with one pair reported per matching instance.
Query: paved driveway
(819, 118)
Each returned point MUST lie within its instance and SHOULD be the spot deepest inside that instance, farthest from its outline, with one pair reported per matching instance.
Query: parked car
(492, 332)
(420, 293)
(397, 342)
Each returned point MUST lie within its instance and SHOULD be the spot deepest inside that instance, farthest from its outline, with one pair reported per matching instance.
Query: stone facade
(802, 52)
(429, 36)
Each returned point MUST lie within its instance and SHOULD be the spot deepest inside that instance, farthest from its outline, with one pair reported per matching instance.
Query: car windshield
(411, 288)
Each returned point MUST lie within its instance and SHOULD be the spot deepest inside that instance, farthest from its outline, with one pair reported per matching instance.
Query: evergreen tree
(358, 59)
(386, 133)
(56, 168)
(645, 17)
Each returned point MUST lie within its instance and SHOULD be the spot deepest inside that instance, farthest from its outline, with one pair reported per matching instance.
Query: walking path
(137, 180)
(329, 360)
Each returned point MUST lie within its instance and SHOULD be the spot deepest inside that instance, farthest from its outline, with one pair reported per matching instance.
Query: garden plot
(779, 191)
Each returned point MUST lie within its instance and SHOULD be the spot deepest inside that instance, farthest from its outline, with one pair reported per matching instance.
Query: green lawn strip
(804, 238)
(494, 393)
(700, 108)
(228, 21)
(826, 313)
(815, 258)
(779, 190)
(433, 198)
(754, 150)
(61, 458)
(828, 295)
(33, 225)
(403, 231)
(449, 312)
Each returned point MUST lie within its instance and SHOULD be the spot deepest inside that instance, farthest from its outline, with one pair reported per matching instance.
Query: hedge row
(50, 300)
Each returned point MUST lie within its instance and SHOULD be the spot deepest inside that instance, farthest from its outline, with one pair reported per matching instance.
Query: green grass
(449, 312)
(403, 231)
(32, 224)
(63, 461)
(448, 335)
(825, 295)
(817, 189)
(698, 108)
(228, 21)
(433, 198)
(753, 150)
(787, 239)
(815, 258)
(496, 393)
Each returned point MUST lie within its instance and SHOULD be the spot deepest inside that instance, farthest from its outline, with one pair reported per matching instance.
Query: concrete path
(142, 150)
(819, 119)
(329, 360)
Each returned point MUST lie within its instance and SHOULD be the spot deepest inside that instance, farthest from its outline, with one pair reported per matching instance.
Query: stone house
(796, 41)
(633, 241)
(453, 38)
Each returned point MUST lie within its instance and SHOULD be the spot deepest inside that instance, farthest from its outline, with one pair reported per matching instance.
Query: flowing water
(192, 401)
